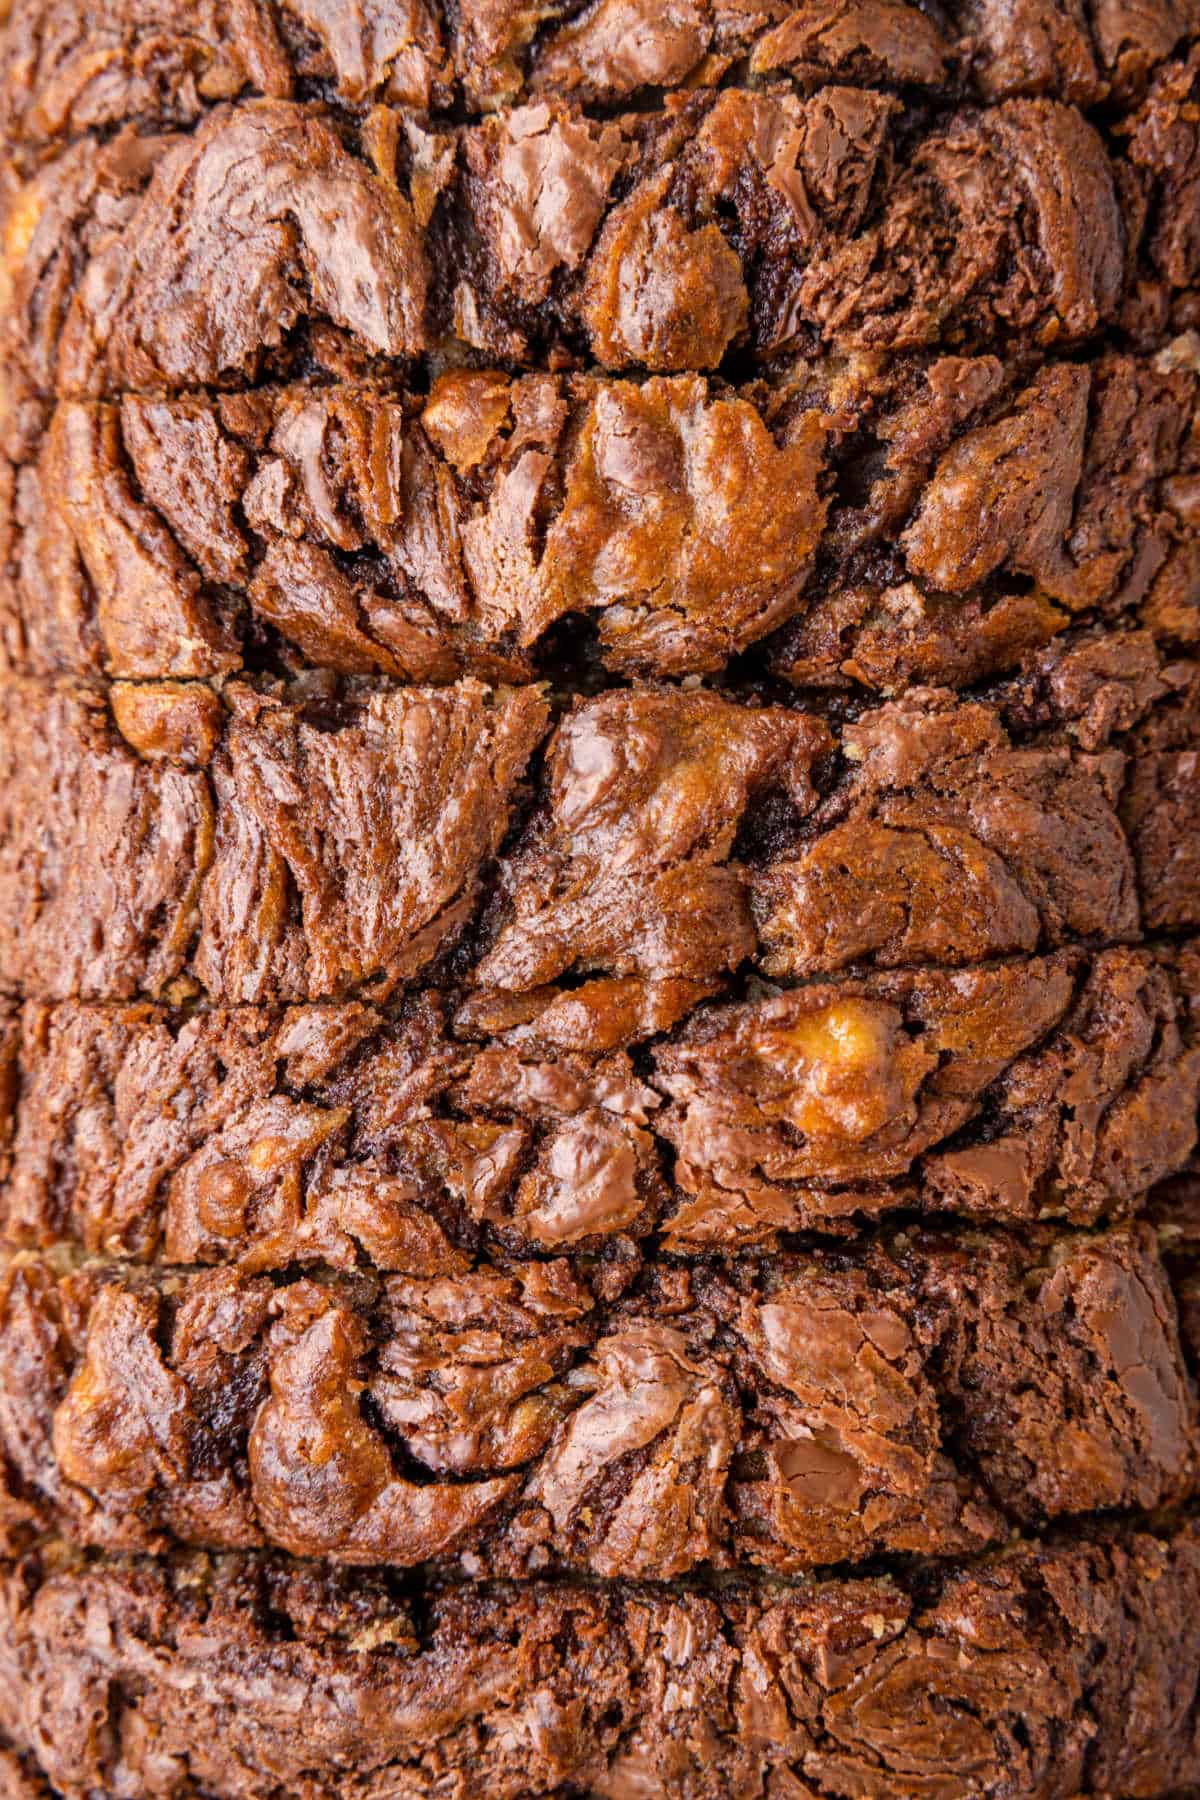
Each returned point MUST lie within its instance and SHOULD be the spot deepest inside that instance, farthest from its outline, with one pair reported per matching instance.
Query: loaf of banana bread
(599, 899)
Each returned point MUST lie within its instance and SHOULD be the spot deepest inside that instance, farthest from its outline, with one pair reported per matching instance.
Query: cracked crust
(680, 1099)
